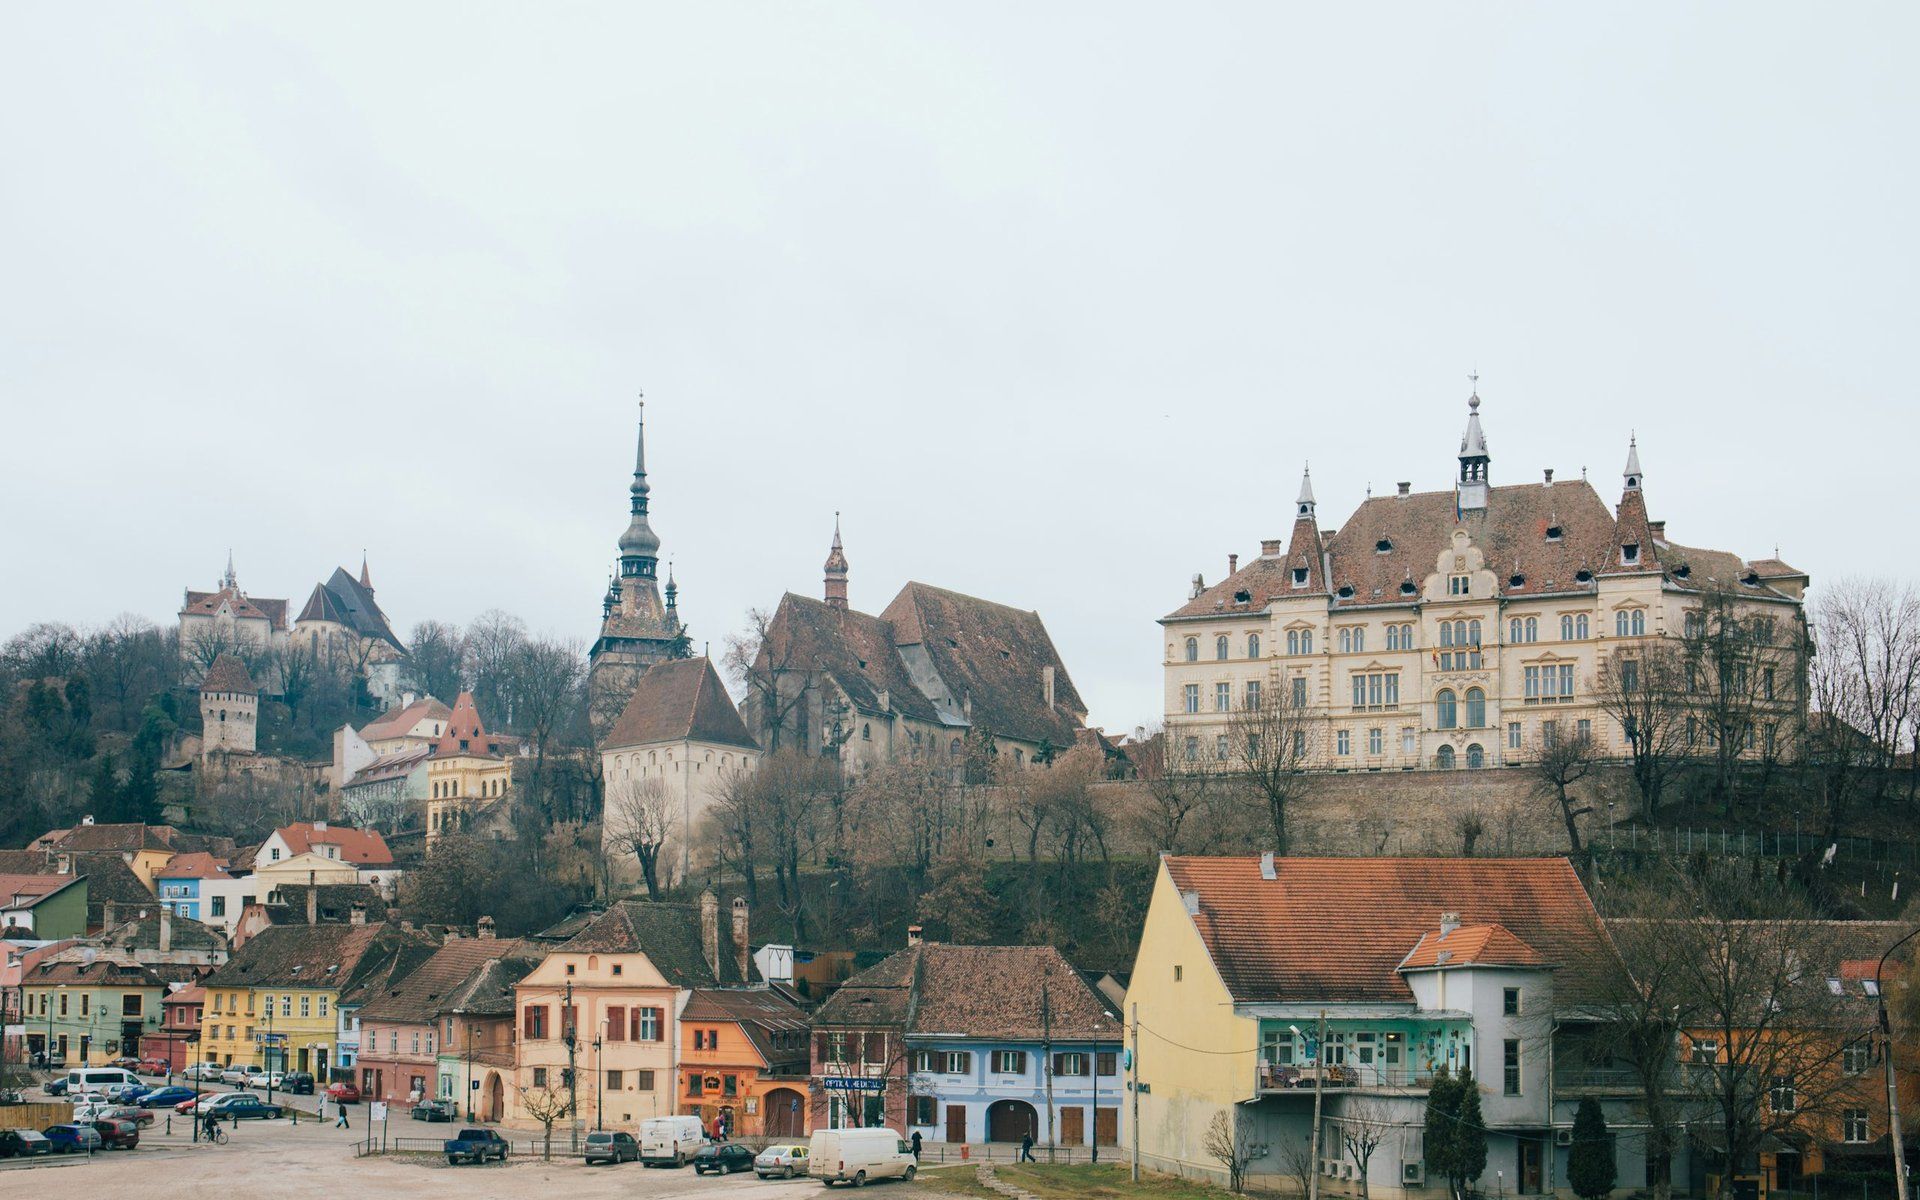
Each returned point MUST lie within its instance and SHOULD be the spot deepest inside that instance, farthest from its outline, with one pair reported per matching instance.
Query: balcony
(1350, 1077)
(1595, 1081)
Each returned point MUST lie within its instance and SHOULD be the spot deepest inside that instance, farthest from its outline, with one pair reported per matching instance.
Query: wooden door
(1072, 1126)
(1106, 1126)
(956, 1123)
(1530, 1167)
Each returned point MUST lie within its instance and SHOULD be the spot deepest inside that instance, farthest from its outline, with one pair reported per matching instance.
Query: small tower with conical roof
(836, 570)
(1632, 472)
(1472, 485)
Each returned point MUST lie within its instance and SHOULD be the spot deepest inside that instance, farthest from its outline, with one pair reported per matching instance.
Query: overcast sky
(1052, 301)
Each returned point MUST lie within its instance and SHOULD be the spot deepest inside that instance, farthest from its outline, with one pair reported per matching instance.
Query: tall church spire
(836, 570)
(229, 580)
(639, 545)
(1472, 485)
(366, 580)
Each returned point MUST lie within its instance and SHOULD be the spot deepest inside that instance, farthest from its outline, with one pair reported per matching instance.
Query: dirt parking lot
(277, 1158)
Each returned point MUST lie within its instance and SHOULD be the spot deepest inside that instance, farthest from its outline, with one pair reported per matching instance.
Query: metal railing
(1277, 1078)
(1575, 1079)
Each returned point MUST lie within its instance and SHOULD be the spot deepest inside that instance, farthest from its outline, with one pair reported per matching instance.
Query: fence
(1757, 843)
(930, 1152)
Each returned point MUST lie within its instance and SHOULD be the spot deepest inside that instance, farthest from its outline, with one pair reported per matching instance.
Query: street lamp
(469, 1025)
(600, 1075)
(1893, 1090)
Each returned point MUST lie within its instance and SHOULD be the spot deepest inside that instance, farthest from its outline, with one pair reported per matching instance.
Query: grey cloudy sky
(1051, 300)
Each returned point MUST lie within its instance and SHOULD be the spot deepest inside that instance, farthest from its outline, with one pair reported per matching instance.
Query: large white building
(1456, 628)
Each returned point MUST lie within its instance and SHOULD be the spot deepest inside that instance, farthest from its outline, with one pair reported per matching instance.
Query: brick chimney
(710, 930)
(1270, 548)
(1233, 563)
(741, 953)
(107, 913)
(1403, 488)
(1046, 684)
(913, 935)
(166, 929)
(1449, 922)
(484, 928)
(313, 899)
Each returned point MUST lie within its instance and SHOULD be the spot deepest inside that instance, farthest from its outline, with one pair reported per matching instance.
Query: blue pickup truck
(476, 1146)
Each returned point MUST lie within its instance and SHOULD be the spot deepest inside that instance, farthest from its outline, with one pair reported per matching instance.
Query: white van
(857, 1155)
(97, 1079)
(670, 1140)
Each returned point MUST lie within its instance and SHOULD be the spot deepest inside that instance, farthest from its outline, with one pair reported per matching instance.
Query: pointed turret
(1306, 562)
(1632, 472)
(1635, 545)
(1305, 500)
(836, 570)
(673, 596)
(229, 580)
(1472, 486)
(366, 580)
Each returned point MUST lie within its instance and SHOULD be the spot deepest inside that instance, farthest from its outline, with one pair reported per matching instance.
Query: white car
(268, 1079)
(203, 1072)
(242, 1076)
(785, 1159)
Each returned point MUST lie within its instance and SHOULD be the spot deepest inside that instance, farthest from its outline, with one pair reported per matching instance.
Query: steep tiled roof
(330, 955)
(110, 881)
(993, 656)
(855, 649)
(29, 861)
(124, 839)
(244, 607)
(465, 735)
(881, 995)
(420, 994)
(196, 865)
(401, 721)
(668, 934)
(142, 932)
(343, 600)
(361, 847)
(681, 698)
(1482, 945)
(997, 992)
(228, 674)
(331, 902)
(190, 995)
(397, 765)
(25, 891)
(101, 972)
(1336, 929)
(760, 1013)
(487, 991)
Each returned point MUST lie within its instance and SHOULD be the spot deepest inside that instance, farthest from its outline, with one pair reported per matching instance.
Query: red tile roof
(401, 721)
(1482, 945)
(681, 698)
(244, 606)
(198, 865)
(1337, 929)
(465, 735)
(228, 674)
(361, 847)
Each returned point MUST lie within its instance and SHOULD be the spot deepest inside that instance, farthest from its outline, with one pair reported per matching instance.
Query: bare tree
(547, 677)
(546, 1106)
(640, 818)
(1563, 762)
(493, 644)
(439, 655)
(1270, 743)
(1361, 1126)
(1225, 1145)
(1736, 663)
(766, 663)
(1471, 825)
(1865, 683)
(1643, 689)
(1300, 1159)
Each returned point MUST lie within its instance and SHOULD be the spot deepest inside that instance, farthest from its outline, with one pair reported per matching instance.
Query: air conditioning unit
(1346, 1170)
(1563, 1137)
(1413, 1173)
(1330, 1167)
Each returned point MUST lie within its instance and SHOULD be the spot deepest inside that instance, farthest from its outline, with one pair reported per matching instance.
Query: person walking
(1026, 1147)
(340, 1108)
(916, 1145)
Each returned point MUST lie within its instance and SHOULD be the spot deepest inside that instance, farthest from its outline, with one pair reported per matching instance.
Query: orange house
(743, 1061)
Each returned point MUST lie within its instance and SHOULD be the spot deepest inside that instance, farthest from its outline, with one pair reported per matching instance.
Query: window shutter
(820, 1047)
(1058, 1060)
(616, 1022)
(966, 1062)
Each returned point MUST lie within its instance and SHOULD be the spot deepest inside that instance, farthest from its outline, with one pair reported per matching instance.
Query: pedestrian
(1026, 1147)
(340, 1108)
(916, 1145)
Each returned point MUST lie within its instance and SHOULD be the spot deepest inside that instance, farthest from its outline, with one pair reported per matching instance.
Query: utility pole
(573, 1087)
(1894, 1132)
(469, 1025)
(1046, 1053)
(598, 1075)
(1319, 1095)
(1133, 1086)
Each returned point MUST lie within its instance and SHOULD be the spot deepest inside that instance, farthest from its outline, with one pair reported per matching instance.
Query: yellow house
(275, 1003)
(468, 774)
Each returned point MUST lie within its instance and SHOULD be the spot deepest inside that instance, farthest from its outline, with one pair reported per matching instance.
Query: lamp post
(469, 1025)
(600, 1075)
(1894, 1131)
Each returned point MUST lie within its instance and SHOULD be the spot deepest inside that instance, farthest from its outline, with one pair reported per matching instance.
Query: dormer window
(1751, 579)
(1383, 546)
(1553, 533)
(1682, 571)
(1346, 591)
(1583, 576)
(1516, 580)
(1630, 553)
(1300, 577)
(1243, 597)
(1407, 588)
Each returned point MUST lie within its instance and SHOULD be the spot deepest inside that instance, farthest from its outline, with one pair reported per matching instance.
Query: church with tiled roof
(1468, 627)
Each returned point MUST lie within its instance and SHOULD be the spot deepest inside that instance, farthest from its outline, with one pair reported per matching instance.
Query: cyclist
(211, 1122)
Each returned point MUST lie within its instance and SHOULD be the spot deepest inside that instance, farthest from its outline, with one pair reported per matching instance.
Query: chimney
(1046, 683)
(1270, 548)
(313, 900)
(357, 914)
(741, 952)
(87, 820)
(1658, 529)
(1192, 901)
(1233, 563)
(166, 929)
(913, 935)
(1549, 478)
(710, 930)
(1266, 866)
(1403, 488)
(319, 826)
(483, 928)
(107, 910)
(1199, 585)
(1449, 922)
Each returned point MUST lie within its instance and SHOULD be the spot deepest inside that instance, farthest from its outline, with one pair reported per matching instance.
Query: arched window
(1193, 649)
(1220, 647)
(1580, 627)
(1473, 633)
(1346, 641)
(1359, 640)
(1566, 628)
(1444, 758)
(1019, 757)
(866, 733)
(1446, 710)
(1533, 629)
(955, 748)
(1446, 633)
(1513, 630)
(1393, 637)
(1476, 708)
(1620, 624)
(1476, 757)
(1639, 622)
(1306, 641)
(1293, 641)
(1253, 645)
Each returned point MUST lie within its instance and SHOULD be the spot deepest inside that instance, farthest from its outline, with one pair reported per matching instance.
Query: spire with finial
(366, 580)
(1305, 499)
(673, 594)
(1471, 489)
(1632, 471)
(230, 580)
(639, 545)
(836, 569)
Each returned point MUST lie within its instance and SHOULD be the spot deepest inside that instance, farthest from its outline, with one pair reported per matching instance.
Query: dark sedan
(165, 1097)
(722, 1159)
(73, 1139)
(23, 1143)
(435, 1110)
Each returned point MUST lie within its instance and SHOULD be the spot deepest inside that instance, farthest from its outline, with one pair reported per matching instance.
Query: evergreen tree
(1590, 1169)
(1469, 1136)
(1443, 1113)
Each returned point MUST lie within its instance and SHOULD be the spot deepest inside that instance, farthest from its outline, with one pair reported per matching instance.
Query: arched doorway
(783, 1113)
(1011, 1120)
(495, 1108)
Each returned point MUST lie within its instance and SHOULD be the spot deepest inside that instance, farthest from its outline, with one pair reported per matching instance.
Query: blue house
(178, 883)
(1004, 1042)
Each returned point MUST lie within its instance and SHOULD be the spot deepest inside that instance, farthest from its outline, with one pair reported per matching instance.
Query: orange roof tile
(361, 847)
(1485, 945)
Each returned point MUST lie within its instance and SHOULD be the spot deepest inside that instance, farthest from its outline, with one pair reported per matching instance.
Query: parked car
(435, 1110)
(128, 1112)
(165, 1097)
(670, 1140)
(153, 1066)
(56, 1086)
(126, 1062)
(784, 1159)
(607, 1145)
(343, 1093)
(203, 1072)
(98, 1079)
(722, 1159)
(72, 1139)
(125, 1093)
(242, 1075)
(298, 1083)
(272, 1080)
(476, 1146)
(117, 1135)
(23, 1143)
(240, 1106)
(858, 1155)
